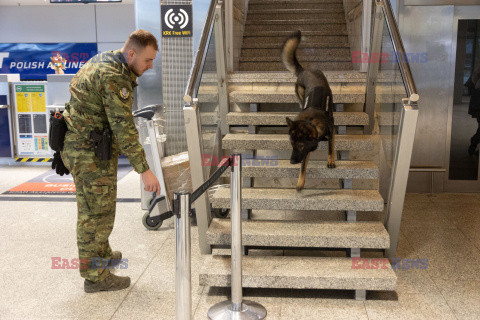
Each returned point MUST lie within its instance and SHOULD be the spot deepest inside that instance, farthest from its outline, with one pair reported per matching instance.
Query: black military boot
(110, 283)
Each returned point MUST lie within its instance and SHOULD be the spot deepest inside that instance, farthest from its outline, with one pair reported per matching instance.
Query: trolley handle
(156, 199)
(147, 112)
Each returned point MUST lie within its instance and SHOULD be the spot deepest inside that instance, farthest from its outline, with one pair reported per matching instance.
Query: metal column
(183, 256)
(373, 68)
(223, 104)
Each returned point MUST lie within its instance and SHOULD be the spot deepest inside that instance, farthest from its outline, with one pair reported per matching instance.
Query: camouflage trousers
(96, 192)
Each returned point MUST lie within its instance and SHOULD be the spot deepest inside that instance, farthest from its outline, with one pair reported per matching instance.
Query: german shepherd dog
(315, 122)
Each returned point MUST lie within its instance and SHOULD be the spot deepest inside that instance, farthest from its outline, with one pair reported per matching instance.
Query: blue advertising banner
(33, 61)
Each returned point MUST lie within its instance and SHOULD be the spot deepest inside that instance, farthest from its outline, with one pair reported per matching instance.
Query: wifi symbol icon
(179, 18)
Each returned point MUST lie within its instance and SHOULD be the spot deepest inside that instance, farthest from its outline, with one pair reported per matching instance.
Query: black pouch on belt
(58, 129)
(102, 142)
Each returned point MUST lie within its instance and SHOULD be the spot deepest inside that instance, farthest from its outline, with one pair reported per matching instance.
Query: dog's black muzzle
(300, 155)
(297, 156)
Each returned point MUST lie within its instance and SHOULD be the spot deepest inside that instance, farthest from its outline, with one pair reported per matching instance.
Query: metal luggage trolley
(153, 220)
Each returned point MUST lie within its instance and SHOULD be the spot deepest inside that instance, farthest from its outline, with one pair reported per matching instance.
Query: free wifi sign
(176, 20)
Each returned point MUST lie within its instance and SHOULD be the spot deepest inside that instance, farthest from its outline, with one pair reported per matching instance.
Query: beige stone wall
(353, 14)
(348, 5)
(239, 17)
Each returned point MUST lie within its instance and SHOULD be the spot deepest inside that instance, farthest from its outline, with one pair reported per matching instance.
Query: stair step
(320, 58)
(330, 30)
(333, 76)
(208, 97)
(208, 139)
(307, 199)
(293, 14)
(346, 94)
(287, 77)
(278, 118)
(319, 21)
(276, 66)
(273, 12)
(388, 118)
(299, 273)
(208, 118)
(335, 7)
(304, 54)
(302, 234)
(287, 97)
(273, 168)
(326, 28)
(240, 141)
(277, 41)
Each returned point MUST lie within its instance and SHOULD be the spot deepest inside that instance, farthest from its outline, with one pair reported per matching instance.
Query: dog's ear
(289, 122)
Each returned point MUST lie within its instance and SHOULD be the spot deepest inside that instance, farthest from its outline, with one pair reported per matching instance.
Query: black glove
(58, 165)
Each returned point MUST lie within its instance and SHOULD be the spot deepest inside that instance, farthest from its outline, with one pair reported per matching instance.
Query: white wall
(107, 24)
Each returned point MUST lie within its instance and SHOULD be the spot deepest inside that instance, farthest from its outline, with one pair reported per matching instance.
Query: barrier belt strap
(222, 166)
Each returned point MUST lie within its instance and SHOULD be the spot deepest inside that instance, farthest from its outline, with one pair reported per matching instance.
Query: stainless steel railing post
(236, 218)
(238, 308)
(183, 269)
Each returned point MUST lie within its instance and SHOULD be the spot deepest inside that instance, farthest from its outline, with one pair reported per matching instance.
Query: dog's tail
(289, 57)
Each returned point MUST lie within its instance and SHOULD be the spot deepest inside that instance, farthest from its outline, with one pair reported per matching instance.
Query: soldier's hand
(150, 181)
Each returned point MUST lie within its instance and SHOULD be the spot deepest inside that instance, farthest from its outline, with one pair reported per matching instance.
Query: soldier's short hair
(141, 39)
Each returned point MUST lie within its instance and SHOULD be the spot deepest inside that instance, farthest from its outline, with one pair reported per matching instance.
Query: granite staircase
(302, 240)
(322, 23)
(307, 239)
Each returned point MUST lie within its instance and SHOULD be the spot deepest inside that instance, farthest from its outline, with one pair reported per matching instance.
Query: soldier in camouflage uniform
(102, 97)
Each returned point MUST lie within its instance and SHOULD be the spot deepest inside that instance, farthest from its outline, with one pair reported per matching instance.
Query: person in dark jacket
(473, 85)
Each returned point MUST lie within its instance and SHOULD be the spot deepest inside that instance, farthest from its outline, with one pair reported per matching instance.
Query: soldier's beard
(134, 69)
(136, 73)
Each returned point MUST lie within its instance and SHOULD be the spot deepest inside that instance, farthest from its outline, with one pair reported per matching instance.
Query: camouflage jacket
(102, 97)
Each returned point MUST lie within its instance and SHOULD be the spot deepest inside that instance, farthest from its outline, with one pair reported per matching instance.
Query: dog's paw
(331, 165)
(299, 188)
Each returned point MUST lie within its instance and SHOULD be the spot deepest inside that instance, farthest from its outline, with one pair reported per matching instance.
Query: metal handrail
(400, 49)
(408, 119)
(201, 53)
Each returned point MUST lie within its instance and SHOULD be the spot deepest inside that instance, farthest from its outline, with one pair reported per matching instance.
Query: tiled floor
(442, 229)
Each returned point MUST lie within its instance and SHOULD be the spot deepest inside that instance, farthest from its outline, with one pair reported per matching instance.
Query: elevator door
(465, 135)
(464, 140)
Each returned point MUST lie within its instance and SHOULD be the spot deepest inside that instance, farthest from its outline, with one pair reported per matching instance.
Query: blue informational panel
(33, 60)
